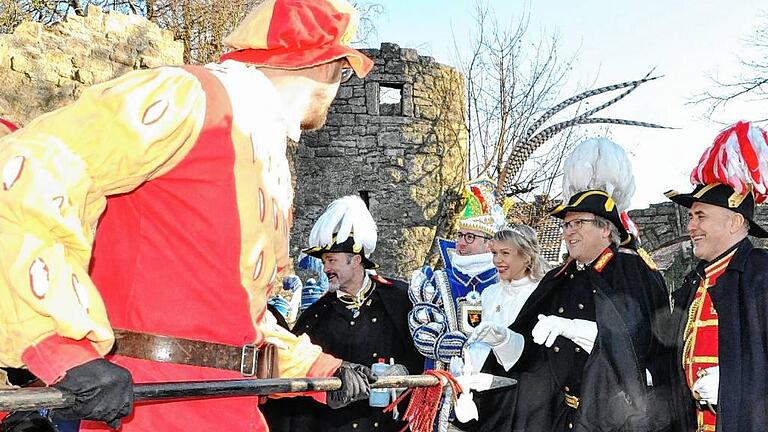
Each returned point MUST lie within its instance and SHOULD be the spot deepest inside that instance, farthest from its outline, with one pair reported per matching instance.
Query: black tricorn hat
(597, 202)
(722, 195)
(347, 246)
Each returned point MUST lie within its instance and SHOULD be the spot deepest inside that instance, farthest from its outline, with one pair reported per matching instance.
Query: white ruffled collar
(472, 264)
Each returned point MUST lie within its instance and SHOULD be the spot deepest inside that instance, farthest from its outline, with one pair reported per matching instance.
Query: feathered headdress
(534, 138)
(345, 226)
(599, 163)
(481, 211)
(598, 179)
(732, 174)
(738, 158)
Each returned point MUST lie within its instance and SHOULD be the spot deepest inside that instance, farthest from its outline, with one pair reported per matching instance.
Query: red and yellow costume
(193, 251)
(160, 202)
(701, 336)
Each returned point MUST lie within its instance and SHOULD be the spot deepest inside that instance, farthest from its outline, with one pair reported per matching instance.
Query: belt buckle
(254, 353)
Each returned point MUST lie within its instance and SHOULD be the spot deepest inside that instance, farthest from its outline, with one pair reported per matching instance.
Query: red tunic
(701, 338)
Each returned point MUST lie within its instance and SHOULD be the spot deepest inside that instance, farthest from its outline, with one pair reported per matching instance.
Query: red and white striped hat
(295, 34)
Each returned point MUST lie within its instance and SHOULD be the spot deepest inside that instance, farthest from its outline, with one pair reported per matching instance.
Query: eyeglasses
(575, 224)
(346, 74)
(469, 238)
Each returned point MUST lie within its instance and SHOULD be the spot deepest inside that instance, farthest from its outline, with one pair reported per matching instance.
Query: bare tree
(512, 86)
(200, 24)
(510, 81)
(750, 85)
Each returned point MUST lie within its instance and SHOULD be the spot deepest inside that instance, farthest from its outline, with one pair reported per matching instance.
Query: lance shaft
(49, 397)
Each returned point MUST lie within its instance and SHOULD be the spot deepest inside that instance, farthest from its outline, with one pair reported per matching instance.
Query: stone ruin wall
(44, 68)
(406, 159)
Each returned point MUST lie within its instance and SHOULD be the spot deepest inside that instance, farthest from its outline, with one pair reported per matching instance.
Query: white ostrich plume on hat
(599, 163)
(346, 216)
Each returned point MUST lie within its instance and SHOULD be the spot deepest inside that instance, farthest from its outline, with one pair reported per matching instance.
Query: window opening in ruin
(366, 197)
(391, 99)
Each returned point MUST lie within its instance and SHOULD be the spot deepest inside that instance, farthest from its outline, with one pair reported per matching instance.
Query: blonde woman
(517, 257)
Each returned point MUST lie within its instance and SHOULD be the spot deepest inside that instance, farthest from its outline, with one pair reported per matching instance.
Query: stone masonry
(404, 156)
(664, 224)
(44, 68)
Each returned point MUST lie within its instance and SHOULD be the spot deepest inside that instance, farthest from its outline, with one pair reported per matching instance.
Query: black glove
(355, 385)
(103, 391)
(27, 421)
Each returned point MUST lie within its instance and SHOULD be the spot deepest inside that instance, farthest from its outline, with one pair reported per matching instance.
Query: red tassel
(425, 402)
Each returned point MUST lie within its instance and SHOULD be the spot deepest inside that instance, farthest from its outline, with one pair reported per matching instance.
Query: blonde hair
(523, 238)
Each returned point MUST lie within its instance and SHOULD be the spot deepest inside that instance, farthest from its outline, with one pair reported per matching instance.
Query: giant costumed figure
(156, 209)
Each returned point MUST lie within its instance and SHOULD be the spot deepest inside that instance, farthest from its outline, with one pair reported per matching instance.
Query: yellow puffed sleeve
(297, 356)
(56, 173)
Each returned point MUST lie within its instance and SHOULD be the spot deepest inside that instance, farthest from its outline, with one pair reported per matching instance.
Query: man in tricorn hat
(722, 306)
(363, 318)
(157, 208)
(593, 358)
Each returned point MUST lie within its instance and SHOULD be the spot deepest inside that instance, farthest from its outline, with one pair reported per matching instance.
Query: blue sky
(614, 41)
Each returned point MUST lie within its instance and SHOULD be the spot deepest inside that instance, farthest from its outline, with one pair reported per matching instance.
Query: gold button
(570, 425)
(560, 310)
(578, 349)
(567, 389)
(373, 320)
(315, 315)
(351, 323)
(375, 424)
(581, 306)
(375, 355)
(556, 349)
(354, 425)
(571, 276)
(594, 291)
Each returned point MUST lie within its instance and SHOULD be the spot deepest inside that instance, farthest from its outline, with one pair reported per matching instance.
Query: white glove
(492, 334)
(549, 327)
(708, 385)
(507, 345)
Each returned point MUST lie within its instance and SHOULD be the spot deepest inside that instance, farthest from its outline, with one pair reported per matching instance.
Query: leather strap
(166, 349)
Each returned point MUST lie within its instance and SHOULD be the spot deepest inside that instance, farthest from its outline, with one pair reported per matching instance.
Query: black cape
(630, 303)
(328, 325)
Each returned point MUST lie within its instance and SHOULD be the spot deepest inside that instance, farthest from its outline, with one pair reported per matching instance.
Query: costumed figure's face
(342, 269)
(511, 263)
(583, 238)
(471, 242)
(328, 78)
(713, 230)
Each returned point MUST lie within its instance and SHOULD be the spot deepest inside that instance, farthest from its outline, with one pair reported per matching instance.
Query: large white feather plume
(344, 217)
(599, 163)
